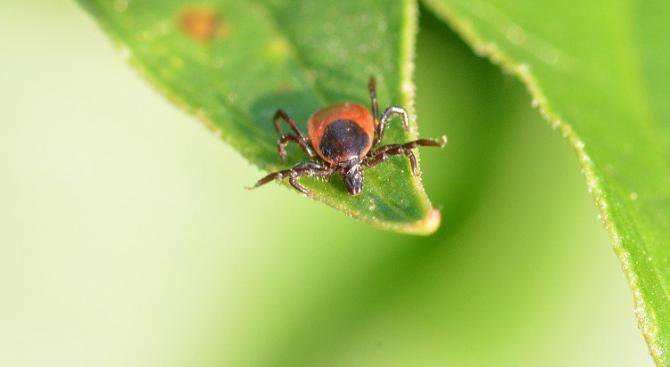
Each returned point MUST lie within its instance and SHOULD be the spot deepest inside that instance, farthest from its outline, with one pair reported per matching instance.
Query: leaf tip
(426, 226)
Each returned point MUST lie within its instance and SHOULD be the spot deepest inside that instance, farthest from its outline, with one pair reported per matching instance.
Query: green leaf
(234, 63)
(599, 72)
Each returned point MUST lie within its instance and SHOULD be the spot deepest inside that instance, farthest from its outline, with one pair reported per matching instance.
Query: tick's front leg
(386, 116)
(301, 169)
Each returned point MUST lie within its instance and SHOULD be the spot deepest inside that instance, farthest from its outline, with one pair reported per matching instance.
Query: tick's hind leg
(384, 152)
(284, 139)
(301, 169)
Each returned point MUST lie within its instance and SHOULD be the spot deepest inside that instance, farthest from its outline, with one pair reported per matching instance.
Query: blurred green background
(127, 239)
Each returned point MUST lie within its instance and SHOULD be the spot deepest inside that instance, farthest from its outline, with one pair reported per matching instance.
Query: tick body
(343, 138)
(341, 132)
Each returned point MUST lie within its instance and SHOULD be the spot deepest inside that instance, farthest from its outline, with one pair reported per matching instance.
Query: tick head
(353, 177)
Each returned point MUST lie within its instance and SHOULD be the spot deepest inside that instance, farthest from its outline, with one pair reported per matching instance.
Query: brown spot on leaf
(284, 87)
(203, 23)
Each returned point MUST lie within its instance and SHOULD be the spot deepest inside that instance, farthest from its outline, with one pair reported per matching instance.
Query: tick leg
(386, 116)
(373, 100)
(384, 152)
(380, 123)
(284, 139)
(301, 169)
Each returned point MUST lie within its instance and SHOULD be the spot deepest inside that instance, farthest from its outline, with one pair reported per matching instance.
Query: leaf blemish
(278, 50)
(284, 87)
(120, 5)
(203, 23)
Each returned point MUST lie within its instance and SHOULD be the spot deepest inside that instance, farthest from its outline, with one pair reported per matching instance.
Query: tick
(343, 138)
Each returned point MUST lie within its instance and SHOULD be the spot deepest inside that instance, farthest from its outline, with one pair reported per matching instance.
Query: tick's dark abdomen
(343, 140)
